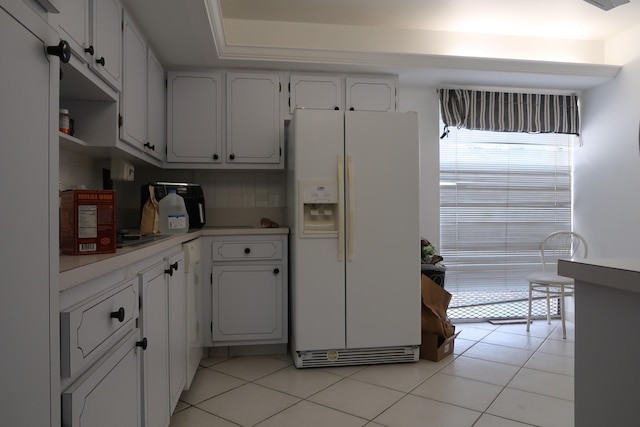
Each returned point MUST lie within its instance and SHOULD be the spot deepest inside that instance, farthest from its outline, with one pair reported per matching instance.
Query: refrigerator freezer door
(383, 276)
(317, 275)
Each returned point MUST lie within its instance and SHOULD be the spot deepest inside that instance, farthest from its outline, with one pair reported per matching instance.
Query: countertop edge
(77, 269)
(616, 273)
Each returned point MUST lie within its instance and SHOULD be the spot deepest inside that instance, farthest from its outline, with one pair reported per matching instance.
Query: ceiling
(181, 34)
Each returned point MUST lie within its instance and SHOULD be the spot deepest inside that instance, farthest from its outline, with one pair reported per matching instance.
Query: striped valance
(510, 112)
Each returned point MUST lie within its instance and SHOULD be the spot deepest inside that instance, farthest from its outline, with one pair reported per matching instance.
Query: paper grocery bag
(435, 301)
(150, 215)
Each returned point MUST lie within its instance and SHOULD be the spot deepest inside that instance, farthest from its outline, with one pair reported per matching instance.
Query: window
(501, 193)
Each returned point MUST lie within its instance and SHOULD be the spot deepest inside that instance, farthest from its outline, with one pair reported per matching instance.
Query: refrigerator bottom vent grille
(361, 356)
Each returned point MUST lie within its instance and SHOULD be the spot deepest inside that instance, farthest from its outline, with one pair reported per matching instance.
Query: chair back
(562, 244)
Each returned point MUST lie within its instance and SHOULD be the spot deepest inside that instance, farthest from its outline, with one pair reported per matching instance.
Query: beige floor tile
(210, 361)
(248, 405)
(309, 414)
(461, 345)
(357, 398)
(533, 409)
(251, 368)
(343, 371)
(208, 383)
(194, 417)
(481, 370)
(472, 333)
(458, 391)
(487, 420)
(547, 383)
(299, 382)
(538, 328)
(551, 363)
(559, 347)
(181, 406)
(415, 411)
(401, 376)
(524, 342)
(499, 353)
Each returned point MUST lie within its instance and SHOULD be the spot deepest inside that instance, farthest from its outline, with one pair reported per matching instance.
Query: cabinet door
(255, 127)
(106, 38)
(177, 327)
(371, 94)
(109, 393)
(133, 98)
(315, 92)
(247, 302)
(194, 118)
(29, 262)
(155, 361)
(72, 23)
(156, 108)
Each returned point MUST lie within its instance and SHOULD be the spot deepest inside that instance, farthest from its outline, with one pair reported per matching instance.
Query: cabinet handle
(62, 50)
(232, 156)
(149, 146)
(352, 109)
(247, 250)
(336, 108)
(118, 314)
(89, 50)
(215, 157)
(100, 61)
(172, 267)
(276, 270)
(142, 343)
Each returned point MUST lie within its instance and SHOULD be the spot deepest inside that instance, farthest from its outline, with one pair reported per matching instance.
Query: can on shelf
(65, 125)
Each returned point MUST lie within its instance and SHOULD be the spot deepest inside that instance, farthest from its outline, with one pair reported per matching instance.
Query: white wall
(424, 100)
(607, 166)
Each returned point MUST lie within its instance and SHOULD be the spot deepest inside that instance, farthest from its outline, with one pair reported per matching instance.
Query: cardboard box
(436, 348)
(88, 222)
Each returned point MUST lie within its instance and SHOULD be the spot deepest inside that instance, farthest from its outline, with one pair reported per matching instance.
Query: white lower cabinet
(249, 290)
(109, 393)
(124, 346)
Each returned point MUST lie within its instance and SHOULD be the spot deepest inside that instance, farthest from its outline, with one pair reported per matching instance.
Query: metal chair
(561, 244)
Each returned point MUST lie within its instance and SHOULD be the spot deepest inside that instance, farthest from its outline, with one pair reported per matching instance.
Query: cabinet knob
(352, 109)
(247, 250)
(142, 343)
(62, 50)
(232, 156)
(276, 270)
(171, 268)
(149, 146)
(118, 314)
(336, 108)
(89, 50)
(100, 61)
(215, 157)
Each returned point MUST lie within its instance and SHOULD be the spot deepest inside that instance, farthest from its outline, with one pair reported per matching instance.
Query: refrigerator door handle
(340, 208)
(352, 209)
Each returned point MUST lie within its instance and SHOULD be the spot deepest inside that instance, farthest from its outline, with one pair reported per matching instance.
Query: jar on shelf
(65, 121)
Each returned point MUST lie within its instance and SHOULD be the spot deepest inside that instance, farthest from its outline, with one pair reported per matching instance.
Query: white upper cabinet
(72, 23)
(106, 39)
(194, 117)
(316, 92)
(133, 98)
(371, 94)
(255, 125)
(156, 108)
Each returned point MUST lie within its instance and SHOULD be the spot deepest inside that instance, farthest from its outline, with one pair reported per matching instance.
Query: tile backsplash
(232, 197)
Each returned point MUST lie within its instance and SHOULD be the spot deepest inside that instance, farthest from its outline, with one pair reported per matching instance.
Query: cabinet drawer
(90, 328)
(247, 250)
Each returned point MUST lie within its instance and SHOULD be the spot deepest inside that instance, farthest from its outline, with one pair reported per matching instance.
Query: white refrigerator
(353, 209)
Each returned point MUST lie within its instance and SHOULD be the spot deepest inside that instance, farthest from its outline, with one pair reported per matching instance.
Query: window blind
(501, 193)
(510, 112)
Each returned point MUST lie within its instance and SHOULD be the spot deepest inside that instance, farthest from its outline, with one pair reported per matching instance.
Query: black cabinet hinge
(211, 278)
(119, 120)
(211, 327)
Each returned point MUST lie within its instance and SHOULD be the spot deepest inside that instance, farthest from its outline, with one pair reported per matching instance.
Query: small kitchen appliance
(191, 193)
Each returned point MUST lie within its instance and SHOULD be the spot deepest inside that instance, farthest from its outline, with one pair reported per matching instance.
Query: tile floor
(498, 376)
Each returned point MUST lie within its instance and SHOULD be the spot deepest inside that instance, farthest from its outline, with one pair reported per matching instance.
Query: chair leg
(529, 312)
(548, 306)
(564, 329)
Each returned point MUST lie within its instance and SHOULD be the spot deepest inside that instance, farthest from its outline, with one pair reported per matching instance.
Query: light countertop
(617, 273)
(76, 269)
